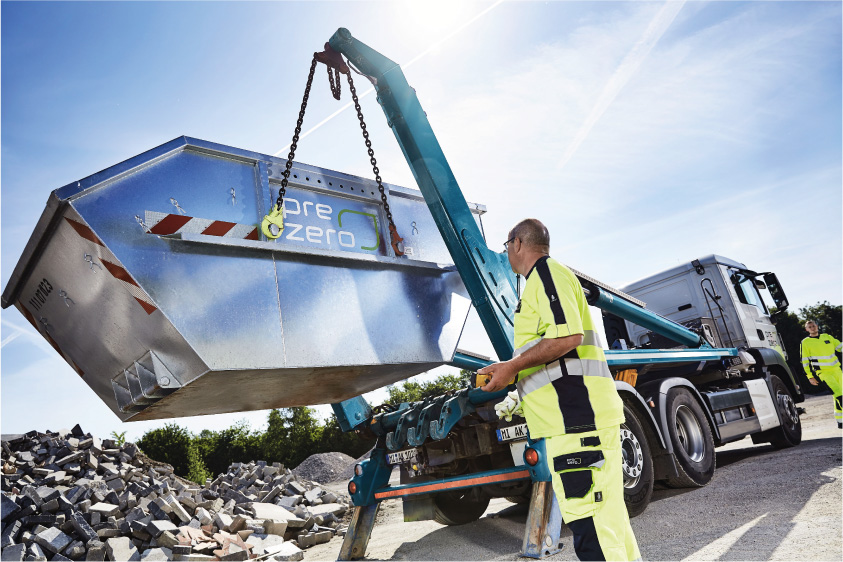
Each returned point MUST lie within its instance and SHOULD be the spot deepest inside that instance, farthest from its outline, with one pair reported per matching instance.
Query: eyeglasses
(506, 244)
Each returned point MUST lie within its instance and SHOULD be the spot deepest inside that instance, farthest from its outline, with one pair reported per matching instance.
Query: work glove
(509, 406)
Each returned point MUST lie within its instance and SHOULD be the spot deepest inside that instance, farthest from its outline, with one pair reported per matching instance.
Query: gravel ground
(762, 504)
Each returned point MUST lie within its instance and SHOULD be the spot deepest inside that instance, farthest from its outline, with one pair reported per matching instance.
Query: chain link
(283, 190)
(370, 151)
(336, 90)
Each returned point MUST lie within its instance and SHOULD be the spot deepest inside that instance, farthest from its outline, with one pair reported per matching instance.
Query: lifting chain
(336, 90)
(393, 233)
(273, 223)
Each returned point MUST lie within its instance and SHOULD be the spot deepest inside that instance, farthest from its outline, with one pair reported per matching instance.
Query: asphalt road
(762, 504)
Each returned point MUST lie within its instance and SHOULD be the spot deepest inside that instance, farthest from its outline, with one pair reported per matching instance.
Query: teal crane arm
(486, 274)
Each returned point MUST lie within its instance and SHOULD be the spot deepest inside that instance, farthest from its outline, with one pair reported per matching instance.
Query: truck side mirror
(776, 292)
(759, 284)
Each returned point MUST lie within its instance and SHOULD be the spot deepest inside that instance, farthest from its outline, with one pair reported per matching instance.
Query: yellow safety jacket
(818, 354)
(575, 393)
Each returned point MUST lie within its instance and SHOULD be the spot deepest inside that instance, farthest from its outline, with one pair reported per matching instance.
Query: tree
(292, 435)
(218, 449)
(412, 391)
(174, 445)
(827, 316)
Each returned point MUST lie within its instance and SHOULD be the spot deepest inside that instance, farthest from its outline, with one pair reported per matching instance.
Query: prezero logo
(322, 233)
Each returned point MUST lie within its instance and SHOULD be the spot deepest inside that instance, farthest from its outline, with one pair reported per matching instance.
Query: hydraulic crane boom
(492, 287)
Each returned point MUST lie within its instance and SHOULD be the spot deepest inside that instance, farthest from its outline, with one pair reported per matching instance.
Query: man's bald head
(533, 234)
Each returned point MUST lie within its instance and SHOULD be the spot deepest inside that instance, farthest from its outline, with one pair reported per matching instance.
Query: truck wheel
(789, 433)
(637, 464)
(458, 507)
(690, 435)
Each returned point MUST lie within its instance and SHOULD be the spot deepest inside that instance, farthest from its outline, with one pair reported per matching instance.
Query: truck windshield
(747, 291)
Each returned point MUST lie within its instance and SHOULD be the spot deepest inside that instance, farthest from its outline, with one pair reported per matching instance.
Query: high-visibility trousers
(832, 377)
(588, 483)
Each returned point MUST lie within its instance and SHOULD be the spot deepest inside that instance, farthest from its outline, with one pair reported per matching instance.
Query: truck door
(758, 329)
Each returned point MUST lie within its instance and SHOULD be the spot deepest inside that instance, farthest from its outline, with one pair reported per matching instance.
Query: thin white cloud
(627, 68)
(27, 331)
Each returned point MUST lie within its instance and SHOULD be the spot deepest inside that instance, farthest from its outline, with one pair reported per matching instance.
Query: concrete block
(167, 540)
(15, 552)
(238, 523)
(287, 552)
(108, 533)
(34, 552)
(73, 457)
(203, 516)
(322, 537)
(290, 501)
(52, 540)
(275, 527)
(156, 527)
(121, 548)
(10, 533)
(156, 555)
(223, 521)
(326, 508)
(295, 489)
(306, 540)
(256, 542)
(9, 507)
(313, 494)
(51, 506)
(270, 496)
(235, 553)
(75, 550)
(105, 509)
(81, 526)
(96, 550)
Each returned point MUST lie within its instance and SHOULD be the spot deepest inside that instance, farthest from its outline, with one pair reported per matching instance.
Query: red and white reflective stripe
(113, 266)
(164, 223)
(41, 329)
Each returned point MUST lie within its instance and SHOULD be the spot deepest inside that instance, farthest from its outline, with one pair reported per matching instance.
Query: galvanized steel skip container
(153, 281)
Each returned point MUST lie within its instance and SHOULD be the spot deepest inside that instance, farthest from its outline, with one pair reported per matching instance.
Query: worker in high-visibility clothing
(820, 361)
(568, 397)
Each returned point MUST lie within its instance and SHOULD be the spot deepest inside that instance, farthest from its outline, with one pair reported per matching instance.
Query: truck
(154, 282)
(677, 411)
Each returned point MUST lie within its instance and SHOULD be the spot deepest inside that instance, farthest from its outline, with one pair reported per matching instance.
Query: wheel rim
(633, 458)
(788, 409)
(689, 433)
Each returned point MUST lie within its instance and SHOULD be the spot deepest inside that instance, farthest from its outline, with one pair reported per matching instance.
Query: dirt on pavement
(762, 504)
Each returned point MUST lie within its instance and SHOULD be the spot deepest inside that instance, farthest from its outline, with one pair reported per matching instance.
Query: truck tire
(638, 475)
(789, 434)
(458, 507)
(690, 435)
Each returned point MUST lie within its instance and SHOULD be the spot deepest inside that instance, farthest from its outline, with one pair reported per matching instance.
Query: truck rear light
(352, 487)
(531, 457)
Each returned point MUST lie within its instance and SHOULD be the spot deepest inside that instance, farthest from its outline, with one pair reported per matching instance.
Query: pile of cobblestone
(71, 496)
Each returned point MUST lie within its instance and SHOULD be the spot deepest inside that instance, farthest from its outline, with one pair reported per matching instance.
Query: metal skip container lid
(153, 281)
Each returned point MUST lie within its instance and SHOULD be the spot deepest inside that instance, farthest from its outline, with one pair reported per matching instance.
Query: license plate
(512, 432)
(400, 457)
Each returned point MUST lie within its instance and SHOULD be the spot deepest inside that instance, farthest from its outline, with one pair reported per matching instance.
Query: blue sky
(643, 134)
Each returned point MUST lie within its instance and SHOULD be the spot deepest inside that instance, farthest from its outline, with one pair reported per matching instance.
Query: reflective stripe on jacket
(576, 392)
(818, 354)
